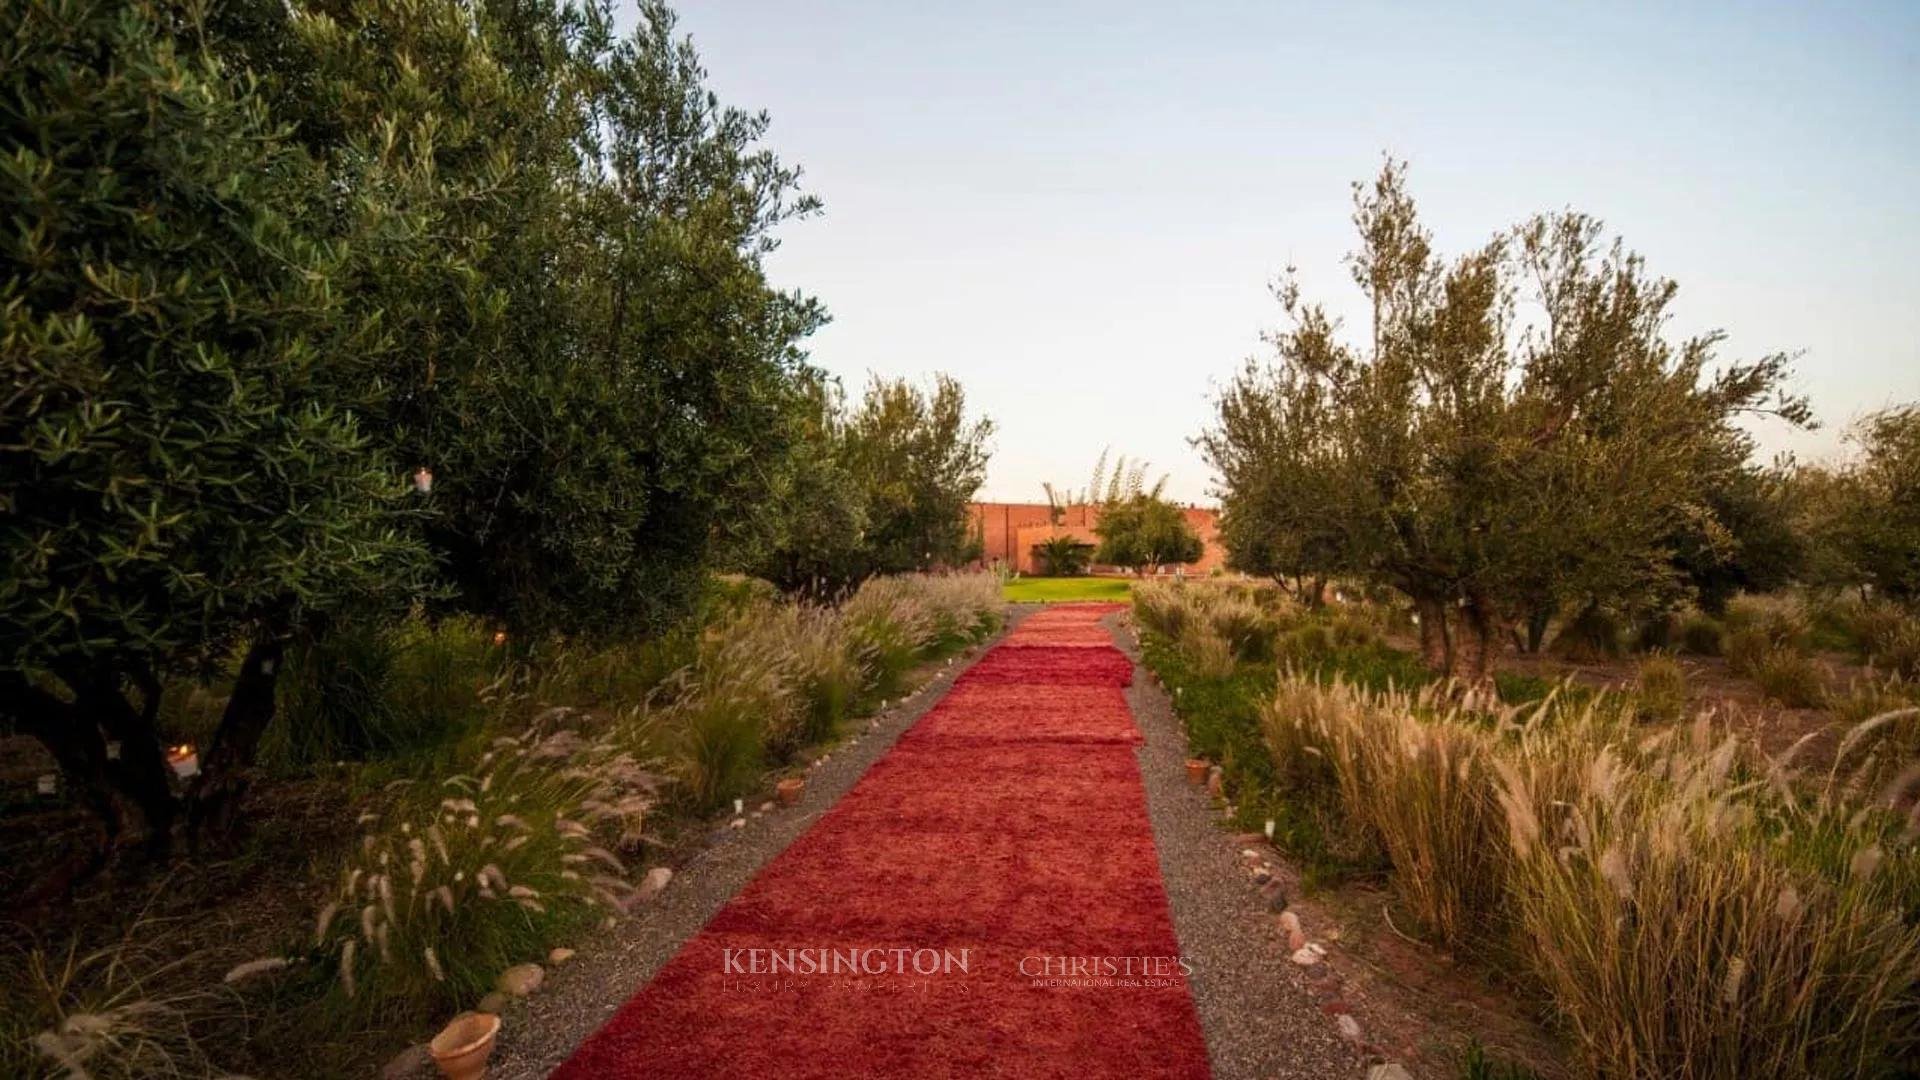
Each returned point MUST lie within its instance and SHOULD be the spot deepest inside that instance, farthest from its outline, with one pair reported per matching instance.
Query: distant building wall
(1008, 532)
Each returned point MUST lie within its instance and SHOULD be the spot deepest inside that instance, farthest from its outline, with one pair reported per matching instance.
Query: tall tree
(920, 460)
(1141, 530)
(267, 259)
(879, 487)
(183, 468)
(1489, 471)
(1869, 513)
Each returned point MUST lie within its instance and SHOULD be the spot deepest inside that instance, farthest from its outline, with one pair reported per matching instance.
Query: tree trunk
(1481, 627)
(1537, 623)
(226, 768)
(1436, 645)
(75, 745)
(1317, 599)
(140, 773)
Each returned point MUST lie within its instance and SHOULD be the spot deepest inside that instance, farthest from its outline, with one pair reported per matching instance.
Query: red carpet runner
(1007, 830)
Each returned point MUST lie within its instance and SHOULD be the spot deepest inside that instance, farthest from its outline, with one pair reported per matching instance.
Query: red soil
(1010, 823)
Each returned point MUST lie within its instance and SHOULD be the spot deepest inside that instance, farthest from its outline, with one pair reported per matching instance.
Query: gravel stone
(1259, 1015)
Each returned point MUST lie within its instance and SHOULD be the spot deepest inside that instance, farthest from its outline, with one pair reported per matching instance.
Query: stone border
(611, 966)
(1264, 1017)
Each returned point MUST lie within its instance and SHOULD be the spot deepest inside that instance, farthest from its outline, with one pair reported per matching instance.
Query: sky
(1077, 209)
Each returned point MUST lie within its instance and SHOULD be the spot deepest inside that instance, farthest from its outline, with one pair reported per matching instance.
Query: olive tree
(1143, 531)
(1868, 513)
(1492, 470)
(919, 460)
(183, 470)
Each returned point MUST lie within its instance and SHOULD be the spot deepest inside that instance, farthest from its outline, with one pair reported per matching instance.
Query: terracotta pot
(790, 791)
(1196, 772)
(463, 1046)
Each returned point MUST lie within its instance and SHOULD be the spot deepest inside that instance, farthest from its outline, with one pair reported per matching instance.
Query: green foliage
(1486, 470)
(1594, 634)
(1064, 555)
(365, 690)
(186, 457)
(880, 488)
(1701, 635)
(1866, 519)
(374, 303)
(1748, 539)
(1145, 531)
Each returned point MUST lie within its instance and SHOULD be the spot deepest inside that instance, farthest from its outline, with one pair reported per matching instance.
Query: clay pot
(1196, 772)
(790, 791)
(463, 1046)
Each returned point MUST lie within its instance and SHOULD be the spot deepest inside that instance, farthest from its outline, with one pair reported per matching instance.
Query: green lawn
(1042, 590)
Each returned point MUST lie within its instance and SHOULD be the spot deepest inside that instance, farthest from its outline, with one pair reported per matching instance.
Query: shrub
(1780, 619)
(1656, 633)
(1745, 649)
(1162, 607)
(887, 626)
(366, 691)
(1308, 644)
(734, 704)
(1594, 634)
(1791, 678)
(1888, 637)
(1247, 629)
(1212, 655)
(1660, 690)
(1701, 635)
(1352, 630)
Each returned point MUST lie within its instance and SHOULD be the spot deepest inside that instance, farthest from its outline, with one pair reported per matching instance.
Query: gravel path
(579, 996)
(1259, 1013)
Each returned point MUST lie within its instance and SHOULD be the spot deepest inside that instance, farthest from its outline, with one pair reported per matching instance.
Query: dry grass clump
(1888, 637)
(1701, 635)
(1791, 677)
(1660, 690)
(109, 1013)
(726, 710)
(1419, 789)
(1220, 625)
(1690, 920)
(888, 625)
(1247, 628)
(1162, 607)
(1758, 627)
(463, 878)
(1690, 908)
(772, 678)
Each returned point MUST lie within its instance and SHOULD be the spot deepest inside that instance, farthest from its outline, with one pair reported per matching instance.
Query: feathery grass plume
(1660, 690)
(1688, 905)
(103, 1013)
(482, 903)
